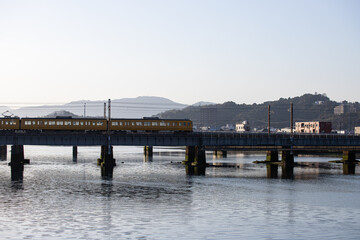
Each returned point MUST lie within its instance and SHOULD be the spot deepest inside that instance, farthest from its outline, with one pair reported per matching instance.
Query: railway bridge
(196, 144)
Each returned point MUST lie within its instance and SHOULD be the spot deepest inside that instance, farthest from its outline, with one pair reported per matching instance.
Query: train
(146, 124)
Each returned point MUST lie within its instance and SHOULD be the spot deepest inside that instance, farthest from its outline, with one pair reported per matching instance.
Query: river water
(59, 199)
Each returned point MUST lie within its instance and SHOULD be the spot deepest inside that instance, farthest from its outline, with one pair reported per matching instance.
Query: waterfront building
(313, 127)
(357, 130)
(242, 127)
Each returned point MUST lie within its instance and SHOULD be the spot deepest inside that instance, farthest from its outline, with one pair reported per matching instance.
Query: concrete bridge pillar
(17, 162)
(189, 155)
(200, 157)
(272, 158)
(107, 162)
(195, 156)
(3, 153)
(75, 153)
(148, 153)
(287, 164)
(220, 153)
(349, 162)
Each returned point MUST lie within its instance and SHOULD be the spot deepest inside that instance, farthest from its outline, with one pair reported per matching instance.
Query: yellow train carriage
(9, 123)
(151, 124)
(72, 124)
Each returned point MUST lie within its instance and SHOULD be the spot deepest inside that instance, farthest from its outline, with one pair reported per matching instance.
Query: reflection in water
(148, 158)
(157, 200)
(304, 170)
(271, 170)
(195, 171)
(17, 185)
(287, 171)
(349, 168)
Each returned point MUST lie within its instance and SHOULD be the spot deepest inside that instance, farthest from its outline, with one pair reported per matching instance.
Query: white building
(357, 130)
(313, 127)
(242, 127)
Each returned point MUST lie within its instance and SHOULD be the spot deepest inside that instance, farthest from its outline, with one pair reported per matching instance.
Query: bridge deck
(240, 140)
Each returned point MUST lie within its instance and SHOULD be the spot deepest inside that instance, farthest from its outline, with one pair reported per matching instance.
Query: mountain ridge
(308, 107)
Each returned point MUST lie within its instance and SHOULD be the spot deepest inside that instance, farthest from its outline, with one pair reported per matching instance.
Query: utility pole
(109, 113)
(269, 120)
(104, 110)
(108, 126)
(84, 110)
(291, 119)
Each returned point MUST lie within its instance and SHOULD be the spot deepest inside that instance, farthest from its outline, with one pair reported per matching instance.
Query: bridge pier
(148, 153)
(3, 153)
(195, 160)
(195, 156)
(349, 162)
(189, 155)
(272, 160)
(17, 162)
(75, 153)
(287, 164)
(106, 162)
(220, 153)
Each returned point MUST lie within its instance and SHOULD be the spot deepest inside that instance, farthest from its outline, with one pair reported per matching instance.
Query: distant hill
(139, 107)
(308, 107)
(202, 104)
(61, 114)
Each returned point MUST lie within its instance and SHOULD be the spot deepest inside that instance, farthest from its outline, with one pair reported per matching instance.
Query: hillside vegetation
(309, 107)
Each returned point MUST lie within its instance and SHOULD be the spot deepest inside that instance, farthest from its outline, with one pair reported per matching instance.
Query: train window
(45, 123)
(146, 123)
(76, 123)
(114, 123)
(82, 123)
(34, 123)
(162, 124)
(93, 123)
(27, 123)
(120, 123)
(99, 123)
(52, 122)
(168, 124)
(138, 123)
(154, 123)
(132, 124)
(12, 123)
(59, 123)
(67, 123)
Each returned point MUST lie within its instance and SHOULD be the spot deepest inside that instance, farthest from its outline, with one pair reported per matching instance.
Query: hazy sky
(187, 51)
